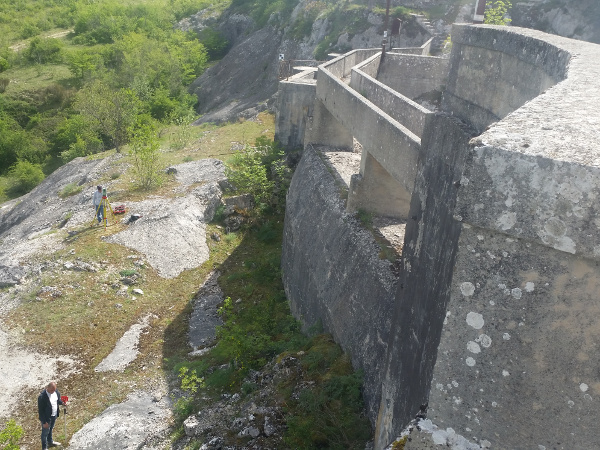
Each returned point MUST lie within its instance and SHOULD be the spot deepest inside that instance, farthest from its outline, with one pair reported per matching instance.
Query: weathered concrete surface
(428, 257)
(326, 259)
(517, 363)
(294, 105)
(540, 166)
(410, 114)
(374, 190)
(324, 129)
(494, 71)
(413, 75)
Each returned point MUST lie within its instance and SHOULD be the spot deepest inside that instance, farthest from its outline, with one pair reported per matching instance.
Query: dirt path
(21, 45)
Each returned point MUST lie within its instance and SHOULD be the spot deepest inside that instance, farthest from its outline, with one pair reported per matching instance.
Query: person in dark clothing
(48, 412)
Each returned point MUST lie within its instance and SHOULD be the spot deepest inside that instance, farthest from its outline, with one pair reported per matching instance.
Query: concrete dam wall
(488, 336)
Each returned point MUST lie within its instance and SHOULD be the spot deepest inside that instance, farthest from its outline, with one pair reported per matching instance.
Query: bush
(10, 435)
(69, 190)
(27, 175)
(214, 42)
(42, 51)
(259, 170)
(4, 64)
(495, 12)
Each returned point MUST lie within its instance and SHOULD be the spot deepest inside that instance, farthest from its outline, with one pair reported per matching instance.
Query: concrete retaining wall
(327, 256)
(413, 75)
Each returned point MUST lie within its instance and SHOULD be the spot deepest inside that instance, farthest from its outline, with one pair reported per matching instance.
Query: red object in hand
(64, 399)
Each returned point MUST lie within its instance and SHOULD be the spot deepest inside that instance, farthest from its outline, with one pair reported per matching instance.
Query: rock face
(577, 19)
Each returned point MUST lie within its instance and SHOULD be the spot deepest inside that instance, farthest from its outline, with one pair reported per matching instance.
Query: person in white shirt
(97, 200)
(48, 412)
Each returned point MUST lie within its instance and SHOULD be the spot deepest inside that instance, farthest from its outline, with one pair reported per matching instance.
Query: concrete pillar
(376, 191)
(294, 105)
(323, 128)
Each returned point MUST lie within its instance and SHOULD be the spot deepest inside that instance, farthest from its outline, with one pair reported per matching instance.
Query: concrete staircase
(438, 38)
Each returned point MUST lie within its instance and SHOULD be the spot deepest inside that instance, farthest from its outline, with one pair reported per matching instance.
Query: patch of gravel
(142, 418)
(125, 350)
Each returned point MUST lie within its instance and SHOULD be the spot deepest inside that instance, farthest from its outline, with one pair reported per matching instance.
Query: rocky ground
(35, 226)
(41, 223)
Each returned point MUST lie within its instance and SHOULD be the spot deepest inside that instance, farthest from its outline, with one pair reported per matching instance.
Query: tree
(27, 175)
(144, 147)
(82, 62)
(42, 51)
(111, 111)
(495, 12)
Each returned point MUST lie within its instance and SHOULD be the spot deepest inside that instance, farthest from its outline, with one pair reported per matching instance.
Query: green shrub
(42, 51)
(496, 11)
(4, 64)
(214, 42)
(10, 435)
(259, 170)
(27, 175)
(69, 190)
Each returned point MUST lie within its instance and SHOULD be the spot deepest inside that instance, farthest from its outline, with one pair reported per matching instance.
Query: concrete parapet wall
(493, 72)
(342, 65)
(395, 147)
(423, 50)
(413, 75)
(326, 258)
(540, 167)
(370, 66)
(410, 114)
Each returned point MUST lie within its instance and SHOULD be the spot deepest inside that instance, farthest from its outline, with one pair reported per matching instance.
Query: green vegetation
(69, 190)
(257, 327)
(496, 11)
(259, 170)
(85, 74)
(10, 435)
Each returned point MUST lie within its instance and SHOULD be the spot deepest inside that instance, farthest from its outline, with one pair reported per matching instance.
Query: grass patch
(70, 190)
